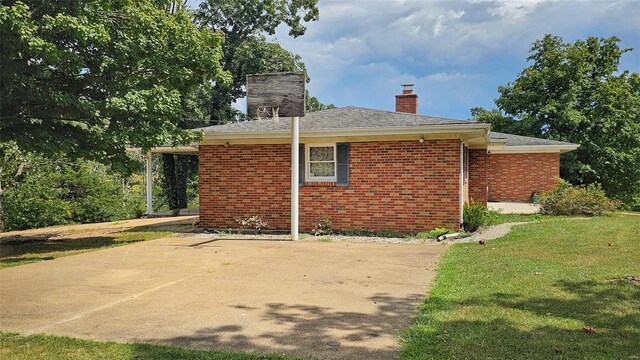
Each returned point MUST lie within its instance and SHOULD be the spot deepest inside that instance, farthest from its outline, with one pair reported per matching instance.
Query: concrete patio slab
(514, 208)
(328, 300)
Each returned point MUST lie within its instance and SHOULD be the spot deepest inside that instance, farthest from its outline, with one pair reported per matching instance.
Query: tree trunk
(1, 212)
(169, 180)
(182, 173)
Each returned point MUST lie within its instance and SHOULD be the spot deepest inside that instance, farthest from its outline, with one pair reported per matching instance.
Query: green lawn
(530, 293)
(28, 250)
(16, 347)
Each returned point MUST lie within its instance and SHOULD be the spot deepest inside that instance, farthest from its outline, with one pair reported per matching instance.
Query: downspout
(461, 210)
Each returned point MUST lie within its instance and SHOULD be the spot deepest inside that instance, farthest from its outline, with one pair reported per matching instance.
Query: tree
(53, 192)
(499, 122)
(12, 166)
(246, 50)
(313, 104)
(576, 92)
(90, 78)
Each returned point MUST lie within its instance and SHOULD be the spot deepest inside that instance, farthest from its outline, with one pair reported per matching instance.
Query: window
(321, 162)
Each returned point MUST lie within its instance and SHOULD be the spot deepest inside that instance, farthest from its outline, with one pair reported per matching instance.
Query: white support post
(295, 158)
(149, 183)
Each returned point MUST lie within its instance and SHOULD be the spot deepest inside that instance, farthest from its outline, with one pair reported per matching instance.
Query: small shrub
(324, 226)
(254, 222)
(476, 215)
(576, 200)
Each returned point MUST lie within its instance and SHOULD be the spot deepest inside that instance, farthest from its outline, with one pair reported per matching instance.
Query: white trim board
(528, 149)
(414, 130)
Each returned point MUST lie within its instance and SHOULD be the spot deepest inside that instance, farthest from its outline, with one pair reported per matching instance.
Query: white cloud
(358, 47)
(512, 8)
(442, 20)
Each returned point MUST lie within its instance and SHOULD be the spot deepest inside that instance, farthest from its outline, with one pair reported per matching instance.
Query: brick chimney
(408, 101)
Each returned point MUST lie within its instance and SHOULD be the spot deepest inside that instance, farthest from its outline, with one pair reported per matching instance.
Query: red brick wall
(404, 186)
(478, 163)
(514, 177)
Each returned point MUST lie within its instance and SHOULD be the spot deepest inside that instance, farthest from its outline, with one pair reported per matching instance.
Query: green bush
(56, 193)
(634, 204)
(476, 215)
(34, 203)
(576, 200)
(93, 194)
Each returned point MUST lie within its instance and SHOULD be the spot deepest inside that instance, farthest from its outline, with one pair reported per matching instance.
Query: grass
(17, 347)
(28, 250)
(530, 293)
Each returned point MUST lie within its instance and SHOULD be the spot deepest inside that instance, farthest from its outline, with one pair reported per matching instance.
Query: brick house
(368, 169)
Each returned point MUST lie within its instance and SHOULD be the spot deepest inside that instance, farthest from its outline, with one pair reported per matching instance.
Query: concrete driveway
(328, 300)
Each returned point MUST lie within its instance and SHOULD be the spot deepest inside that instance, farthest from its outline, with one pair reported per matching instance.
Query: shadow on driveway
(313, 330)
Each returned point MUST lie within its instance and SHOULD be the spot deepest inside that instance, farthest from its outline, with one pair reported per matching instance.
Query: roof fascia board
(433, 129)
(525, 149)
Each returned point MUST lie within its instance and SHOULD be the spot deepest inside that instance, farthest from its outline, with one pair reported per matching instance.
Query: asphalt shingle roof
(352, 117)
(349, 117)
(518, 140)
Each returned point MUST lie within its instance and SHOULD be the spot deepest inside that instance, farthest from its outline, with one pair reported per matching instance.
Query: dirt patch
(109, 229)
(488, 233)
(632, 279)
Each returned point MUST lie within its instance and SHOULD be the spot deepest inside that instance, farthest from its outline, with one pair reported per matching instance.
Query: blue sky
(456, 52)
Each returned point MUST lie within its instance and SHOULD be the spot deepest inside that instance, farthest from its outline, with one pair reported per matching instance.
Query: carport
(177, 150)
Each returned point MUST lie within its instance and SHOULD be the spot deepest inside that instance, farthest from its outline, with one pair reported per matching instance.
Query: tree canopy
(313, 104)
(246, 49)
(89, 78)
(577, 93)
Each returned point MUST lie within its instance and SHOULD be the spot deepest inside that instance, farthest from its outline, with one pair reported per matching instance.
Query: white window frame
(307, 165)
